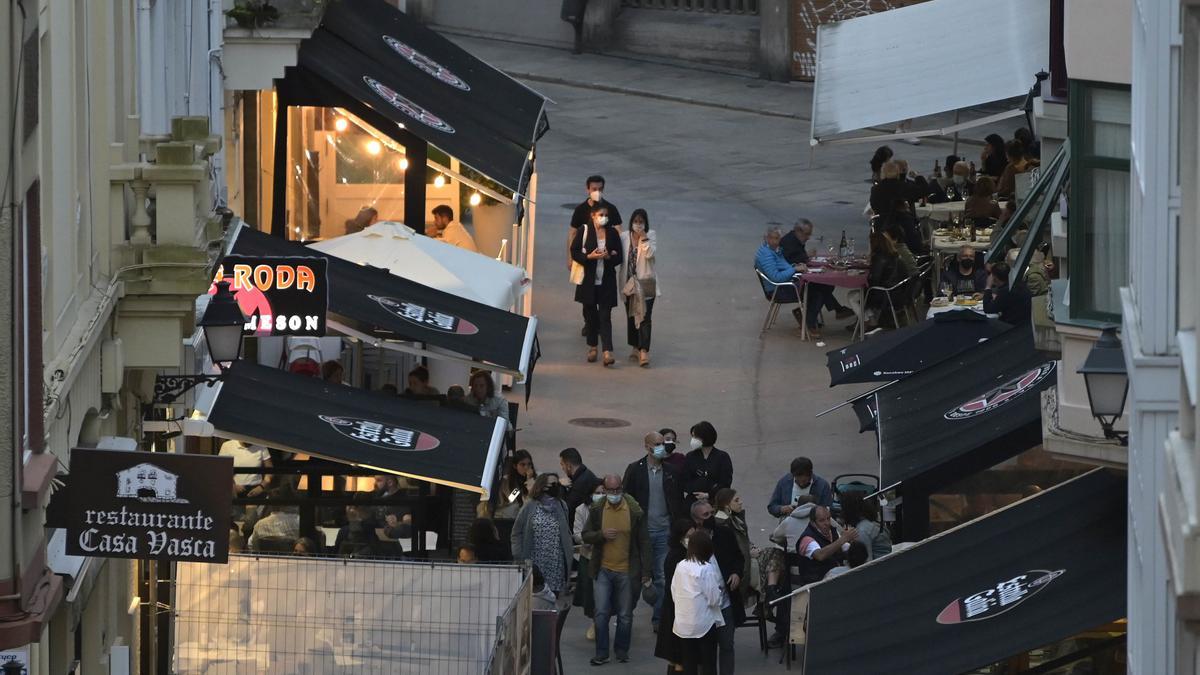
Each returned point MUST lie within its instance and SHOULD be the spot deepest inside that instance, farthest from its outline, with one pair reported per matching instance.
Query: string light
(439, 181)
(475, 199)
(374, 147)
(341, 124)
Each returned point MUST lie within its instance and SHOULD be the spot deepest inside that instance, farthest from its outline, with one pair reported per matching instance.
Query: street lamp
(1107, 382)
(222, 324)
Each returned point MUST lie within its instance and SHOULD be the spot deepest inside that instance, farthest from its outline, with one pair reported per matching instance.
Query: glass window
(1098, 226)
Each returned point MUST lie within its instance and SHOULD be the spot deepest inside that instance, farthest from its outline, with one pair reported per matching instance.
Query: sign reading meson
(146, 505)
(278, 295)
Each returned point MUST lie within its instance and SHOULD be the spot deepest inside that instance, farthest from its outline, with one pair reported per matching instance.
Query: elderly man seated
(781, 257)
(963, 276)
(957, 187)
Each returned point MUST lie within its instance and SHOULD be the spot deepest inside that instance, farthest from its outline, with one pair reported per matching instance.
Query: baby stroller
(850, 483)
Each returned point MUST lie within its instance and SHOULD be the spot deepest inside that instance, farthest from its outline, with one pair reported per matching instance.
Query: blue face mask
(660, 452)
(614, 499)
(596, 498)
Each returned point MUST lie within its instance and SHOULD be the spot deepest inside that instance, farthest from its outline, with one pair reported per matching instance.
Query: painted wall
(1097, 38)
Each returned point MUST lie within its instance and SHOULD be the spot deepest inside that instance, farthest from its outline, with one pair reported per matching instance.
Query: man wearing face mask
(582, 215)
(616, 530)
(656, 487)
(963, 276)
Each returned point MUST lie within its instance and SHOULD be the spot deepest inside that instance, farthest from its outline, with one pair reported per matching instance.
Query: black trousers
(639, 336)
(597, 319)
(700, 654)
(820, 296)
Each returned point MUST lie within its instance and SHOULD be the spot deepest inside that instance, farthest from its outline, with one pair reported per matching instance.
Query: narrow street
(711, 179)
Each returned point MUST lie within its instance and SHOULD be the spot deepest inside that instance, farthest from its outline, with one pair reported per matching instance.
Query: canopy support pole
(279, 184)
(417, 153)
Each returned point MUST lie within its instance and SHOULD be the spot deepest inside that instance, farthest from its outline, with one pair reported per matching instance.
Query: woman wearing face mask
(541, 534)
(706, 468)
(583, 582)
(668, 646)
(674, 457)
(598, 248)
(640, 284)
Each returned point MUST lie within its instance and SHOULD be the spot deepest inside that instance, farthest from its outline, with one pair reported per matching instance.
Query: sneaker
(599, 661)
(591, 633)
(623, 658)
(844, 313)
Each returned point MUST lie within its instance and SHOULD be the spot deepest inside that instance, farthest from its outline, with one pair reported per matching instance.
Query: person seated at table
(1013, 304)
(908, 262)
(957, 185)
(980, 204)
(819, 295)
(1033, 147)
(418, 383)
(889, 191)
(886, 271)
(914, 235)
(963, 276)
(856, 555)
(356, 537)
(483, 397)
(1009, 209)
(769, 260)
(1017, 163)
(1037, 277)
(283, 522)
(940, 182)
(396, 521)
(915, 185)
(993, 159)
(882, 154)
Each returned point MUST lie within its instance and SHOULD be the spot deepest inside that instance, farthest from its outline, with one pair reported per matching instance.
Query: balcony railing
(707, 6)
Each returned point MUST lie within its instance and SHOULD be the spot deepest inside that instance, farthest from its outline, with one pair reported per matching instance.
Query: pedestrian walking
(582, 216)
(697, 591)
(580, 479)
(584, 596)
(674, 457)
(616, 529)
(668, 645)
(597, 247)
(640, 284)
(706, 468)
(541, 534)
(656, 487)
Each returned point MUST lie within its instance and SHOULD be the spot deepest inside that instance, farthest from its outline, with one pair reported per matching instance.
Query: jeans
(700, 654)
(725, 641)
(598, 321)
(613, 589)
(820, 296)
(639, 336)
(658, 549)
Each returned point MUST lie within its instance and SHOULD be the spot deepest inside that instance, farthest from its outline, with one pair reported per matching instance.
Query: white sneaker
(591, 633)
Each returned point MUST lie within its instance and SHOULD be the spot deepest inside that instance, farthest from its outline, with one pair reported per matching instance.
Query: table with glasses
(975, 306)
(849, 273)
(946, 242)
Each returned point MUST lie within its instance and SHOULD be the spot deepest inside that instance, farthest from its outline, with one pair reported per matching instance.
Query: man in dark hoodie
(581, 479)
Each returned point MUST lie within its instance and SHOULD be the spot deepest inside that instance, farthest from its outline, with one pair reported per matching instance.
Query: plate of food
(965, 301)
(940, 302)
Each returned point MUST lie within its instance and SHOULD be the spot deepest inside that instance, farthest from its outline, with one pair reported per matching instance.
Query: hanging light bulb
(403, 164)
(374, 147)
(439, 181)
(475, 199)
(341, 124)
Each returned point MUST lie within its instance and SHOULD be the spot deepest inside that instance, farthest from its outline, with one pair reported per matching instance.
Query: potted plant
(253, 13)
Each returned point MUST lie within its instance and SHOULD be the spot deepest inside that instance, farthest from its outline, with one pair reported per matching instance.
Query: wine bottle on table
(842, 245)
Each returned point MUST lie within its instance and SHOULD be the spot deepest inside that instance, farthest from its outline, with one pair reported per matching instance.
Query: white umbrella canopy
(398, 248)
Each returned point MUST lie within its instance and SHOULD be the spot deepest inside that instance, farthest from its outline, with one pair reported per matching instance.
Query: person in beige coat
(639, 284)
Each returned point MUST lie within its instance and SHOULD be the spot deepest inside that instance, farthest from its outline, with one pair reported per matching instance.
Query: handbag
(577, 268)
(649, 287)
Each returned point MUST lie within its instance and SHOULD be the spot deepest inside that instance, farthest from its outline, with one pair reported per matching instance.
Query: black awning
(900, 353)
(1038, 571)
(377, 303)
(964, 414)
(306, 414)
(370, 52)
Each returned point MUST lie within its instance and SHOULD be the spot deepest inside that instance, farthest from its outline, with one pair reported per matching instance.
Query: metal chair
(887, 293)
(773, 298)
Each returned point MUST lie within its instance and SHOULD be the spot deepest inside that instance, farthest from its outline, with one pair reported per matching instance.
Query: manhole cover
(599, 422)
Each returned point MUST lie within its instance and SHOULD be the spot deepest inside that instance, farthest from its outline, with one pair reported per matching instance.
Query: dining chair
(774, 300)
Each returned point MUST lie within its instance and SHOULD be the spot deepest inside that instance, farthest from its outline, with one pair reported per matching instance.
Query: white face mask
(696, 444)
(595, 195)
(639, 227)
(603, 220)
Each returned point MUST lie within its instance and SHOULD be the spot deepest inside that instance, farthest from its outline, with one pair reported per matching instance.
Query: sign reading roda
(166, 506)
(278, 295)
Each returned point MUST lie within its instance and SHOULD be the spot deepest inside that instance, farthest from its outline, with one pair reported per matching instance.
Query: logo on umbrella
(428, 65)
(1005, 393)
(407, 107)
(381, 435)
(995, 601)
(425, 317)
(852, 362)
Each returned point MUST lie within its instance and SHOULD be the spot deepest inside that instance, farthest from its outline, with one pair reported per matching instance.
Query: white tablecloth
(946, 244)
(977, 307)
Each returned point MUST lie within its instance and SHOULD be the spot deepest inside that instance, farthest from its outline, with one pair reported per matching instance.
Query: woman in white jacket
(639, 284)
(698, 592)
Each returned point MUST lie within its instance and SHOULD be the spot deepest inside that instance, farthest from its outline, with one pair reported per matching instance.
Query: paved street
(710, 178)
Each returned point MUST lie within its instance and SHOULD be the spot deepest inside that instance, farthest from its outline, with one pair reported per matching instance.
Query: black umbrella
(900, 353)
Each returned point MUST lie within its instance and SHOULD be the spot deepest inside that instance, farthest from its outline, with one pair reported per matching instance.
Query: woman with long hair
(482, 394)
(863, 516)
(696, 588)
(515, 481)
(597, 247)
(541, 534)
(639, 284)
(882, 154)
(731, 514)
(993, 159)
(667, 645)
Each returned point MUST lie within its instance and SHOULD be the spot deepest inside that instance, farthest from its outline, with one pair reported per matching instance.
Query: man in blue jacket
(769, 260)
(800, 491)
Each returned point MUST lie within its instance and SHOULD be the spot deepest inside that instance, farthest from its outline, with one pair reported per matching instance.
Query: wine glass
(850, 248)
(947, 289)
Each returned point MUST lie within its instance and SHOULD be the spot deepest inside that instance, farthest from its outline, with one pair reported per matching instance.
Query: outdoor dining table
(941, 210)
(852, 275)
(976, 306)
(948, 245)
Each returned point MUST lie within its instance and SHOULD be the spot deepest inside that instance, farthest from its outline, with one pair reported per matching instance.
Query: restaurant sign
(992, 602)
(278, 295)
(1002, 395)
(166, 506)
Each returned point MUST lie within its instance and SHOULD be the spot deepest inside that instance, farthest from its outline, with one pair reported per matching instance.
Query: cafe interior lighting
(475, 199)
(439, 181)
(374, 147)
(341, 124)
(403, 164)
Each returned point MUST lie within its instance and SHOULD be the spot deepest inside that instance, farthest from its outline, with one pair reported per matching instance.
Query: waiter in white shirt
(450, 230)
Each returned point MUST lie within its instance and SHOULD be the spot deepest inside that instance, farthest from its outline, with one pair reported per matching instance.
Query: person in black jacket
(706, 468)
(1013, 304)
(668, 646)
(732, 563)
(656, 487)
(598, 248)
(583, 481)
